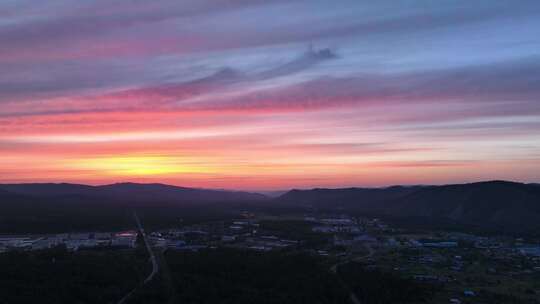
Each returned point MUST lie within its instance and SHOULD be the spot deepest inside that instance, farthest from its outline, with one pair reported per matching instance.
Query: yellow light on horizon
(141, 165)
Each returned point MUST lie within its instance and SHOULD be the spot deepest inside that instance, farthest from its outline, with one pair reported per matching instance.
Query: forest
(240, 276)
(58, 276)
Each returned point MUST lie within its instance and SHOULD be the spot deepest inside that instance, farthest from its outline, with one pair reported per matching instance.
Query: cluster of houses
(242, 233)
(72, 241)
(340, 224)
(245, 233)
(267, 243)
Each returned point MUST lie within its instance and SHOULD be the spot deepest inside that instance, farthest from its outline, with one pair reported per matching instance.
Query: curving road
(155, 266)
(354, 298)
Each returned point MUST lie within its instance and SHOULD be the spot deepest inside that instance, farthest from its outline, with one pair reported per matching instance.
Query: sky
(265, 95)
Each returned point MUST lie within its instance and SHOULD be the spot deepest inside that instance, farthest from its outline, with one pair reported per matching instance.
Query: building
(228, 238)
(324, 229)
(333, 221)
(18, 242)
(102, 235)
(45, 243)
(124, 239)
(442, 244)
(176, 244)
(530, 250)
(79, 236)
(364, 238)
(77, 244)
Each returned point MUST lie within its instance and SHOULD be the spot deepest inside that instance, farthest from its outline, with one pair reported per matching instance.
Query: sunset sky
(268, 95)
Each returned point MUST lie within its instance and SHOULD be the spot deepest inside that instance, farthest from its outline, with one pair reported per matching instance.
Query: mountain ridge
(502, 205)
(499, 205)
(129, 191)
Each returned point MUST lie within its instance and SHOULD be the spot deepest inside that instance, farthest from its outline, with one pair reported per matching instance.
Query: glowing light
(139, 165)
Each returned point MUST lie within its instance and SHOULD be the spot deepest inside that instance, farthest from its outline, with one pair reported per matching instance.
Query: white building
(124, 241)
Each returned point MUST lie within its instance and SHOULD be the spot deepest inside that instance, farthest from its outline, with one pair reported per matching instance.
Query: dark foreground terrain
(239, 276)
(58, 276)
(472, 243)
(207, 276)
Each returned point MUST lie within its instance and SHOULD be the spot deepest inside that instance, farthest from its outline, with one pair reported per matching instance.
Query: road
(355, 259)
(354, 298)
(153, 260)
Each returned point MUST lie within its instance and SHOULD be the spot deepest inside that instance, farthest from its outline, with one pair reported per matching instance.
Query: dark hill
(162, 192)
(346, 198)
(44, 208)
(498, 205)
(130, 192)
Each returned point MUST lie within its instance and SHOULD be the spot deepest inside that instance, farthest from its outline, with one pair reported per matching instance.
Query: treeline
(238, 276)
(378, 287)
(58, 215)
(58, 276)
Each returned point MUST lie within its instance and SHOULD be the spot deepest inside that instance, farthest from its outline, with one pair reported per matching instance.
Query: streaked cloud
(269, 94)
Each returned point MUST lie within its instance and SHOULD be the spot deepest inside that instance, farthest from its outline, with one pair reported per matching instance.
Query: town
(464, 267)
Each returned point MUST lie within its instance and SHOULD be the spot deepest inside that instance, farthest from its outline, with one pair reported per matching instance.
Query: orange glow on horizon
(138, 166)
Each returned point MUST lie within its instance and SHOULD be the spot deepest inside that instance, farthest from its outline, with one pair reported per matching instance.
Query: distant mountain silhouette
(129, 192)
(42, 208)
(346, 198)
(494, 204)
